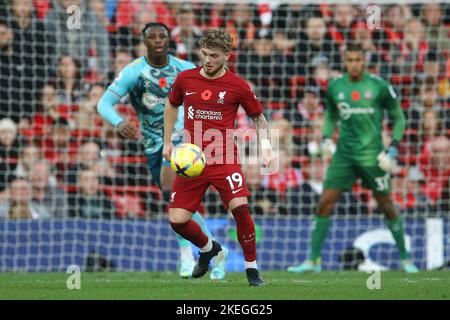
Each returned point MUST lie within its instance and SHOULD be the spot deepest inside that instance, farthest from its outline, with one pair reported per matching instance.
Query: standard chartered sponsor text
(208, 115)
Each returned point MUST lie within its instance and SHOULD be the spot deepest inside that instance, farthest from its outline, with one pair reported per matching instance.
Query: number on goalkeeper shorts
(382, 182)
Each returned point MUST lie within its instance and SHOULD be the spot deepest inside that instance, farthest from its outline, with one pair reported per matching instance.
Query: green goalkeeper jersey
(359, 107)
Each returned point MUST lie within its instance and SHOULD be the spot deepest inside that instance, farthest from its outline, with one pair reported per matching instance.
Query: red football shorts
(228, 179)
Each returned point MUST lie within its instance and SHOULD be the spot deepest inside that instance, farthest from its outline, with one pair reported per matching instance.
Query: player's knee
(388, 209)
(325, 207)
(167, 178)
(179, 216)
(237, 202)
(165, 185)
(386, 206)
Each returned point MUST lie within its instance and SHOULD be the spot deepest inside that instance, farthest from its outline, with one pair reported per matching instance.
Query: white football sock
(186, 253)
(207, 247)
(251, 265)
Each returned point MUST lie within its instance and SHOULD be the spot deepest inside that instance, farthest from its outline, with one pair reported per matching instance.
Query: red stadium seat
(128, 159)
(297, 83)
(300, 160)
(275, 105)
(404, 84)
(128, 205)
(131, 189)
(301, 131)
(401, 79)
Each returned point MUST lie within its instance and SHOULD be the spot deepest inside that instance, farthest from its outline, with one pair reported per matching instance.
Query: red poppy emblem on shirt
(206, 95)
(355, 95)
(162, 82)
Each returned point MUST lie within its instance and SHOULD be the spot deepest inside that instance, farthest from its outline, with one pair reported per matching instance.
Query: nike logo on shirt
(189, 93)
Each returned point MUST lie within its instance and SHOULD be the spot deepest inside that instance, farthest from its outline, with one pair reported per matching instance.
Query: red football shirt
(210, 107)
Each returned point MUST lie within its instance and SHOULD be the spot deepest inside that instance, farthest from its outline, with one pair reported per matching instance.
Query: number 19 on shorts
(235, 180)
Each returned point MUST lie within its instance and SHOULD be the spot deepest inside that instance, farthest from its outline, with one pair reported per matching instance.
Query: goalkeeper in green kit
(358, 100)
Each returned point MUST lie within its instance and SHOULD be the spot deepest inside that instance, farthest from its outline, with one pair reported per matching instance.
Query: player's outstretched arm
(387, 159)
(399, 123)
(330, 117)
(106, 109)
(328, 146)
(170, 116)
(262, 130)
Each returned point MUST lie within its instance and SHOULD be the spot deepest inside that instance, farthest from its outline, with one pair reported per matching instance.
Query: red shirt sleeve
(176, 92)
(249, 101)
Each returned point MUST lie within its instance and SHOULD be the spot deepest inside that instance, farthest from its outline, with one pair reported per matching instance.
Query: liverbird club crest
(221, 97)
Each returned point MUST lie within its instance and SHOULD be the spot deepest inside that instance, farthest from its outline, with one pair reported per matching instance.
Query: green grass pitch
(280, 285)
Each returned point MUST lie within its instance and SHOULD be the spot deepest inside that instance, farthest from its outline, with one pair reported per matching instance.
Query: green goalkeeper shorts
(343, 171)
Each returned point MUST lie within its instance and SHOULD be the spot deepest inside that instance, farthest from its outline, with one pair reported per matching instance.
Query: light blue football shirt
(148, 88)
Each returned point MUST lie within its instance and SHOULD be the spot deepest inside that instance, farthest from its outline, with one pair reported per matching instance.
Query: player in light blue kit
(148, 80)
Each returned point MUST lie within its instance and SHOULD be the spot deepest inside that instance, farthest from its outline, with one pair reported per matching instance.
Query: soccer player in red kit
(211, 96)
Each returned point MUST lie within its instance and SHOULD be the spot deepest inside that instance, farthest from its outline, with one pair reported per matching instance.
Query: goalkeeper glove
(387, 159)
(328, 147)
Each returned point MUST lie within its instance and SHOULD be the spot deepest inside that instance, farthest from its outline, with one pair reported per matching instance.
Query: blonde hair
(216, 39)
